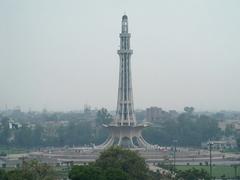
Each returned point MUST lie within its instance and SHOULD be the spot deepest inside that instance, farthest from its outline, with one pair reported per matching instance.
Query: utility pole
(210, 157)
(174, 154)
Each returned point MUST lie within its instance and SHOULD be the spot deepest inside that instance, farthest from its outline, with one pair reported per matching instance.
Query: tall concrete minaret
(125, 111)
(124, 131)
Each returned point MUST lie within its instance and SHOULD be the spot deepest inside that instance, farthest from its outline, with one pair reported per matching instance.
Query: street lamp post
(235, 166)
(210, 157)
(174, 154)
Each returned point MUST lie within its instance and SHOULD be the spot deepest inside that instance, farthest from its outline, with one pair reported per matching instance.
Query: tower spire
(124, 24)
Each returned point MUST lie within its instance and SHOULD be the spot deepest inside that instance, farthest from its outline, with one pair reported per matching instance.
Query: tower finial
(124, 24)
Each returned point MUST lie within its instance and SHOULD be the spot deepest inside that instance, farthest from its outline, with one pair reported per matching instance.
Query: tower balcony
(125, 35)
(125, 51)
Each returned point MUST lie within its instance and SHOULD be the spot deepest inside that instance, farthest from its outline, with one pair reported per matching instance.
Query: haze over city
(60, 55)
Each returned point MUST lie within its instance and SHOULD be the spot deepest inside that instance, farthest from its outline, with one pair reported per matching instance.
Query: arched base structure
(126, 137)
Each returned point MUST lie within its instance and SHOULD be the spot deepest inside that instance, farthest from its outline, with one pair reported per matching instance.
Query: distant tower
(124, 129)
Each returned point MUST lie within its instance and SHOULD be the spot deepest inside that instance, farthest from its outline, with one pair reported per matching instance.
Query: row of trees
(115, 164)
(74, 133)
(188, 128)
(120, 164)
(32, 170)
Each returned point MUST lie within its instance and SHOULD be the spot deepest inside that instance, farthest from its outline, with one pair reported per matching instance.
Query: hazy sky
(61, 54)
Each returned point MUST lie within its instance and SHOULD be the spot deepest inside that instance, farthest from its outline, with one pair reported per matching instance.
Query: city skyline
(61, 55)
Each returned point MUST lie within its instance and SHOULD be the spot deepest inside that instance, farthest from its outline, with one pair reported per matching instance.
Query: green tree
(113, 164)
(229, 130)
(238, 141)
(189, 109)
(103, 117)
(193, 174)
(127, 161)
(101, 133)
(38, 171)
(87, 172)
(17, 174)
(188, 128)
(3, 175)
(37, 134)
(23, 136)
(32, 170)
(5, 131)
(115, 174)
(75, 133)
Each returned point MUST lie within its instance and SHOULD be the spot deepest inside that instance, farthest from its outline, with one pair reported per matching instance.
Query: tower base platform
(125, 136)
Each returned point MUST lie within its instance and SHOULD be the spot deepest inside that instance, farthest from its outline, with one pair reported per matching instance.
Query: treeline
(189, 129)
(120, 164)
(73, 134)
(114, 163)
(32, 170)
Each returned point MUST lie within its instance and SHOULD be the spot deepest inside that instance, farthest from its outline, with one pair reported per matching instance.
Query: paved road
(184, 156)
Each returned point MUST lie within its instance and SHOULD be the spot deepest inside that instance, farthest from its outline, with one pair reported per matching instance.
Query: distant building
(153, 114)
(234, 124)
(221, 144)
(173, 113)
(156, 114)
(14, 125)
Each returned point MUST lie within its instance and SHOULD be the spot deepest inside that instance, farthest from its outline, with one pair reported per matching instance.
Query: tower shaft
(125, 109)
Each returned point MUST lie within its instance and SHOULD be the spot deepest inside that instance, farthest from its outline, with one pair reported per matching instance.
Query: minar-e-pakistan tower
(124, 130)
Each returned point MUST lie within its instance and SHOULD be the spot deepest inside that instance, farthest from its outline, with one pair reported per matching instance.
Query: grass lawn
(217, 170)
(62, 172)
(12, 150)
